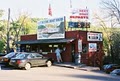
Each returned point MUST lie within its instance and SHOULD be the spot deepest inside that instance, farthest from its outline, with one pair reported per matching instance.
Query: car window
(30, 56)
(36, 55)
(21, 56)
(9, 55)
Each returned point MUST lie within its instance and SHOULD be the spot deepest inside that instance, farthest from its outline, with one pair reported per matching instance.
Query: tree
(22, 25)
(1, 46)
(112, 10)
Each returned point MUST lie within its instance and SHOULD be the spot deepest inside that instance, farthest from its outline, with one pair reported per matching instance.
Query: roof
(45, 41)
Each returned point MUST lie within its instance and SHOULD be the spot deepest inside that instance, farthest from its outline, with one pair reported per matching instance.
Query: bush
(1, 46)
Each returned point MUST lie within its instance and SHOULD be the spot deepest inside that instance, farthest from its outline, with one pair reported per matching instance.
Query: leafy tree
(111, 8)
(1, 46)
(21, 26)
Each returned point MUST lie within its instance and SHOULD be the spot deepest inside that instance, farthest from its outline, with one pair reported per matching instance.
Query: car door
(39, 59)
(32, 59)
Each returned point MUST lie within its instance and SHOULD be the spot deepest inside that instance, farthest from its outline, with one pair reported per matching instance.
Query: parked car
(2, 54)
(111, 67)
(115, 72)
(27, 60)
(107, 66)
(6, 59)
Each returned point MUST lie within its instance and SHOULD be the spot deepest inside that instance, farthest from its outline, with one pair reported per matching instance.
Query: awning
(45, 41)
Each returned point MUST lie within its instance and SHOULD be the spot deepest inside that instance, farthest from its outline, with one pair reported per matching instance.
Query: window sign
(79, 45)
(92, 47)
(94, 36)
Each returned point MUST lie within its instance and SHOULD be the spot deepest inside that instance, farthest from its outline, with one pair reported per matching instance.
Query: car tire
(27, 66)
(49, 63)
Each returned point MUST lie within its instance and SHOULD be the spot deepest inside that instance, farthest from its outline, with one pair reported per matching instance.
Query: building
(87, 43)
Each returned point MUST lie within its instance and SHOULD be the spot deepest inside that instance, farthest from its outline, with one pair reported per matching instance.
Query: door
(38, 59)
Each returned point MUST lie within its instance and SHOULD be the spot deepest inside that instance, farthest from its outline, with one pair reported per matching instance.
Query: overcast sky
(39, 8)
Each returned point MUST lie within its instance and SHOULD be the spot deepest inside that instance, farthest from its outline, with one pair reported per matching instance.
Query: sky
(39, 8)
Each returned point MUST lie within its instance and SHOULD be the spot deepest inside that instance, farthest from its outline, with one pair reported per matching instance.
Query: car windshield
(9, 55)
(21, 56)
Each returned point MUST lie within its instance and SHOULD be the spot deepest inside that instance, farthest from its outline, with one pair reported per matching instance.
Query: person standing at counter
(58, 55)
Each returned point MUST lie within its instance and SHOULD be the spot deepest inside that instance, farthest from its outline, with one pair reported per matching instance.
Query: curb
(77, 67)
(67, 66)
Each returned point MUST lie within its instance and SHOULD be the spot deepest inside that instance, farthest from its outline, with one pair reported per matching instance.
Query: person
(58, 56)
(40, 52)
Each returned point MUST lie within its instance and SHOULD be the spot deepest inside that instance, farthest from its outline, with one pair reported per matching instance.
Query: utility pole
(8, 28)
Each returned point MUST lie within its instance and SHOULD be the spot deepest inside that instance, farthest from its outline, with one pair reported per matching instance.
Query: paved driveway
(54, 73)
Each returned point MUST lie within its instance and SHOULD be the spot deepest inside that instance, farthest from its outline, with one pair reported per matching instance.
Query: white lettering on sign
(94, 36)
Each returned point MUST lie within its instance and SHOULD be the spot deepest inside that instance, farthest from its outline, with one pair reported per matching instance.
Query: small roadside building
(88, 44)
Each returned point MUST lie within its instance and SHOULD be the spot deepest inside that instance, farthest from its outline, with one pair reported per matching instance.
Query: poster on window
(92, 47)
(79, 45)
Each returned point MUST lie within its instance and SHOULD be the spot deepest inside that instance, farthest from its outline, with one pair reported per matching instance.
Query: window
(84, 48)
(55, 45)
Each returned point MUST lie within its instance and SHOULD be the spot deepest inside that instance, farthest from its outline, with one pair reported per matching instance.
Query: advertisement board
(51, 28)
(94, 36)
(92, 47)
(72, 24)
(79, 14)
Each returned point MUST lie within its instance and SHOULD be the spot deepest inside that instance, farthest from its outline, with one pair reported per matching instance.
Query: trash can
(77, 58)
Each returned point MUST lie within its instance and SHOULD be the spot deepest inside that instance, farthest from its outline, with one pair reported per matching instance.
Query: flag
(49, 10)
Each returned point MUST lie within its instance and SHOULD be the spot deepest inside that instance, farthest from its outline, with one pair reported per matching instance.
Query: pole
(8, 28)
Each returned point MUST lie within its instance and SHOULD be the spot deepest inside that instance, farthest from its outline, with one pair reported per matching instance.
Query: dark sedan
(115, 72)
(6, 59)
(27, 60)
(111, 67)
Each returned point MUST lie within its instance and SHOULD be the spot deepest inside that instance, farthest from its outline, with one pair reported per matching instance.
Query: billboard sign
(51, 28)
(78, 24)
(79, 14)
(94, 36)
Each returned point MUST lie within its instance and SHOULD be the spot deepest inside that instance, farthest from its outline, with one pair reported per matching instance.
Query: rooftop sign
(51, 29)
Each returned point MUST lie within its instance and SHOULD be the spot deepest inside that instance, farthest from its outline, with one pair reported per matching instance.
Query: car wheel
(49, 63)
(27, 66)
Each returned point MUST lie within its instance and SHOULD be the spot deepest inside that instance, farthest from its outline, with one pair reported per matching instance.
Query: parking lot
(53, 73)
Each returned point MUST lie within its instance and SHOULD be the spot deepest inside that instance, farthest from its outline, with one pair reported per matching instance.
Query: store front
(88, 44)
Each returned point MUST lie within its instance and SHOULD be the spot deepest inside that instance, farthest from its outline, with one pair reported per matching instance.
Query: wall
(29, 37)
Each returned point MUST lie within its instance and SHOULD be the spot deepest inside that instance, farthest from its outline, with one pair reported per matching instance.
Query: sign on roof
(79, 14)
(51, 28)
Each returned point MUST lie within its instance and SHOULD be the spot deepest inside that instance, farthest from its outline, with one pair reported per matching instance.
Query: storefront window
(28, 48)
(55, 45)
(50, 45)
(84, 48)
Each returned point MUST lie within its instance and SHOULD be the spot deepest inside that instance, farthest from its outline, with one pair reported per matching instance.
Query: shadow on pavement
(97, 78)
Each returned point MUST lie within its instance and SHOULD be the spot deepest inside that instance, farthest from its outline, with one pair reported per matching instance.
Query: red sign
(79, 14)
